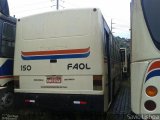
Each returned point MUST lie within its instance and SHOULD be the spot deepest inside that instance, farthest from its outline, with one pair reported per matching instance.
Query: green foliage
(123, 42)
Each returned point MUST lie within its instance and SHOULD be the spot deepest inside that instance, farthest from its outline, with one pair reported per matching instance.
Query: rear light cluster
(150, 105)
(97, 82)
(16, 82)
(151, 91)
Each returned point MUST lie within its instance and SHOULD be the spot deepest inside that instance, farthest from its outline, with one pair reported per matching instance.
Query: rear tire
(7, 99)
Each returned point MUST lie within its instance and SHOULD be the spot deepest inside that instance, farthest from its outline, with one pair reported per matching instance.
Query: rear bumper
(61, 102)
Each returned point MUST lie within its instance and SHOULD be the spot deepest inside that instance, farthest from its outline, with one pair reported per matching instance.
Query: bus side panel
(6, 70)
(138, 71)
(143, 47)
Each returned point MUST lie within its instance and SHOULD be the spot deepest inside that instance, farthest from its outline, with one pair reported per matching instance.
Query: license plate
(54, 79)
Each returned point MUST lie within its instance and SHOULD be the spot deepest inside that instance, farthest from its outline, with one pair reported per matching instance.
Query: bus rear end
(145, 65)
(57, 63)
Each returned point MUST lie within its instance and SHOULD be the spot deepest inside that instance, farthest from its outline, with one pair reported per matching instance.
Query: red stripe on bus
(56, 52)
(154, 65)
(1, 77)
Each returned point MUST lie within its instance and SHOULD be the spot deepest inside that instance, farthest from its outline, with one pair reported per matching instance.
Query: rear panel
(59, 55)
(56, 83)
(47, 44)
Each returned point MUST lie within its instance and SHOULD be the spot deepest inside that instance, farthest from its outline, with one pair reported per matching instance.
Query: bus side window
(1, 25)
(106, 41)
(122, 52)
(8, 32)
(8, 40)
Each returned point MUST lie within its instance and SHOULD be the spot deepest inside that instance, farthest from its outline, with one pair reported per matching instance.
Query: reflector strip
(80, 102)
(76, 102)
(83, 102)
(30, 101)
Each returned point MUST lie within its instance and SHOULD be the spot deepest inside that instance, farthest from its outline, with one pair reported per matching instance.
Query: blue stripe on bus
(153, 74)
(56, 56)
(7, 68)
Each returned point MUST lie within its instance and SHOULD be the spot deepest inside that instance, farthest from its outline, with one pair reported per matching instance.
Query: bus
(7, 42)
(145, 62)
(124, 61)
(66, 60)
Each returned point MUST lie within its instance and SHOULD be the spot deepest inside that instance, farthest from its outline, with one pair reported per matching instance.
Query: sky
(117, 10)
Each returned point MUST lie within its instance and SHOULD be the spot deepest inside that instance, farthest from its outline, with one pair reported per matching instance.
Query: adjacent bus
(66, 61)
(145, 60)
(7, 42)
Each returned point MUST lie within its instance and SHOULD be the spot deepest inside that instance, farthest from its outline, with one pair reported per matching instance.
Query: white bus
(124, 60)
(145, 60)
(63, 61)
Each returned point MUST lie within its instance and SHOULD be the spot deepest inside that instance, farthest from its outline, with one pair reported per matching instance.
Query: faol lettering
(78, 66)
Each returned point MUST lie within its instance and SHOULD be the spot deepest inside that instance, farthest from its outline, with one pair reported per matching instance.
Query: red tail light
(150, 105)
(83, 102)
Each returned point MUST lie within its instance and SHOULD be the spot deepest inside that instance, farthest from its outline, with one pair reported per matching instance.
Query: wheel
(7, 99)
